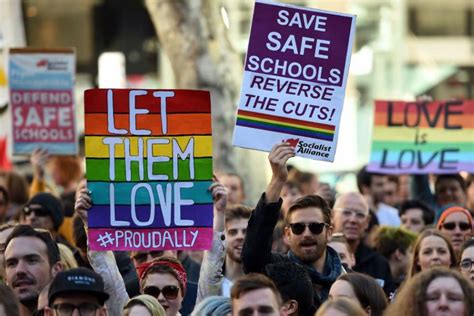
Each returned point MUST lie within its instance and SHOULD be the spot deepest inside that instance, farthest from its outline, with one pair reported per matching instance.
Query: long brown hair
(414, 265)
(411, 300)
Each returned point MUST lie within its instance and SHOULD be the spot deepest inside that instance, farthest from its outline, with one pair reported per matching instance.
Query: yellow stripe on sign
(432, 134)
(96, 148)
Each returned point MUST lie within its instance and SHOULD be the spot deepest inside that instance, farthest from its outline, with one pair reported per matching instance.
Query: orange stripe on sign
(178, 124)
(466, 120)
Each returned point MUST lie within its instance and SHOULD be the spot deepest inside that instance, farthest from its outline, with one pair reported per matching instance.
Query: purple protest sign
(294, 81)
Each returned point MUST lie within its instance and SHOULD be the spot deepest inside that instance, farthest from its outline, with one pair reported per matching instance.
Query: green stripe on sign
(98, 169)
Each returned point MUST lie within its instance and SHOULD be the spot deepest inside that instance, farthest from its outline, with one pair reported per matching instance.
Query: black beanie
(50, 203)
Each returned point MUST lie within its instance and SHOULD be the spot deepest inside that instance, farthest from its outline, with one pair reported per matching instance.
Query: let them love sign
(294, 79)
(41, 83)
(422, 137)
(149, 167)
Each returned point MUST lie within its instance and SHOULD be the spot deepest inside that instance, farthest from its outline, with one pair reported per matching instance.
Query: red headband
(451, 210)
(176, 267)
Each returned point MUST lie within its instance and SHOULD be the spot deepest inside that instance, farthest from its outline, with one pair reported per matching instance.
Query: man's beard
(30, 301)
(310, 257)
(233, 257)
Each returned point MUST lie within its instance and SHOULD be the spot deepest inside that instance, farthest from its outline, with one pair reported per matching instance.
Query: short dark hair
(364, 178)
(310, 201)
(428, 213)
(389, 239)
(9, 301)
(237, 211)
(45, 236)
(454, 176)
(251, 282)
(293, 283)
(367, 291)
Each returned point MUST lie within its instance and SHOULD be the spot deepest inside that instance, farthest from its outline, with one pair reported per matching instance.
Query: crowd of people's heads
(332, 251)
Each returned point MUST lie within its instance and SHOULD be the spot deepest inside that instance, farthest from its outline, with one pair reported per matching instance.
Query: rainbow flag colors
(285, 125)
(421, 137)
(149, 167)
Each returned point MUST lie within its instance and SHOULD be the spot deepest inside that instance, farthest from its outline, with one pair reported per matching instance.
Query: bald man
(351, 217)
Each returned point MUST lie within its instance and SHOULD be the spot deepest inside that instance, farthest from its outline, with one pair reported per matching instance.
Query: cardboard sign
(42, 99)
(294, 80)
(421, 137)
(149, 167)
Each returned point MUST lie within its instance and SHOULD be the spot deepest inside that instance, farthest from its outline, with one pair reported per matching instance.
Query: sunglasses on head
(27, 210)
(452, 225)
(314, 228)
(170, 292)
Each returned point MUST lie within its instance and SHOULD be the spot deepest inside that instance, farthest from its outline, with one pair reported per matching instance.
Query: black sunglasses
(170, 292)
(461, 225)
(38, 211)
(314, 228)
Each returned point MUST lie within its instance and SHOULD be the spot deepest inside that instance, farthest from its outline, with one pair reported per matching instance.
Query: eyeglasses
(452, 225)
(346, 212)
(314, 228)
(466, 264)
(85, 309)
(27, 210)
(170, 292)
(143, 256)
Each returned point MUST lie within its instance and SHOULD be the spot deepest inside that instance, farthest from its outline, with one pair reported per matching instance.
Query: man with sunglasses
(45, 211)
(77, 290)
(351, 218)
(307, 229)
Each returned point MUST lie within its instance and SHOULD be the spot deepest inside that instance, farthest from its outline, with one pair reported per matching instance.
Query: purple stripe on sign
(188, 238)
(100, 215)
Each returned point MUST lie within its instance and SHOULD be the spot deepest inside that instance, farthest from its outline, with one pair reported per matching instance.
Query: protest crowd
(302, 250)
(134, 220)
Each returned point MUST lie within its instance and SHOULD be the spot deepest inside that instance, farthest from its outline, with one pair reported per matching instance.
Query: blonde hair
(67, 257)
(342, 304)
(148, 301)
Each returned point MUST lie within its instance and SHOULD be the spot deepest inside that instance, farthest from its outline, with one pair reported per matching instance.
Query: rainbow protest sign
(41, 85)
(421, 137)
(149, 167)
(294, 79)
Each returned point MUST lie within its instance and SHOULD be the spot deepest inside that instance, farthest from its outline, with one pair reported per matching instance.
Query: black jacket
(370, 262)
(256, 252)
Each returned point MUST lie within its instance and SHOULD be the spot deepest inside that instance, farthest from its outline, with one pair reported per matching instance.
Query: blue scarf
(332, 270)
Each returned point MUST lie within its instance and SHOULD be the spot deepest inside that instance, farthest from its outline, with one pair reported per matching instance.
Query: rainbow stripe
(285, 125)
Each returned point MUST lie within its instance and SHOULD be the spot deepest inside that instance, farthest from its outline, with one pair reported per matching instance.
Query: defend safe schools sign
(41, 85)
(421, 137)
(294, 79)
(149, 167)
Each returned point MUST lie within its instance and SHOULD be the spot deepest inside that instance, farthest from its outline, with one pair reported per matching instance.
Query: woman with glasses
(467, 260)
(164, 279)
(456, 222)
(432, 248)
